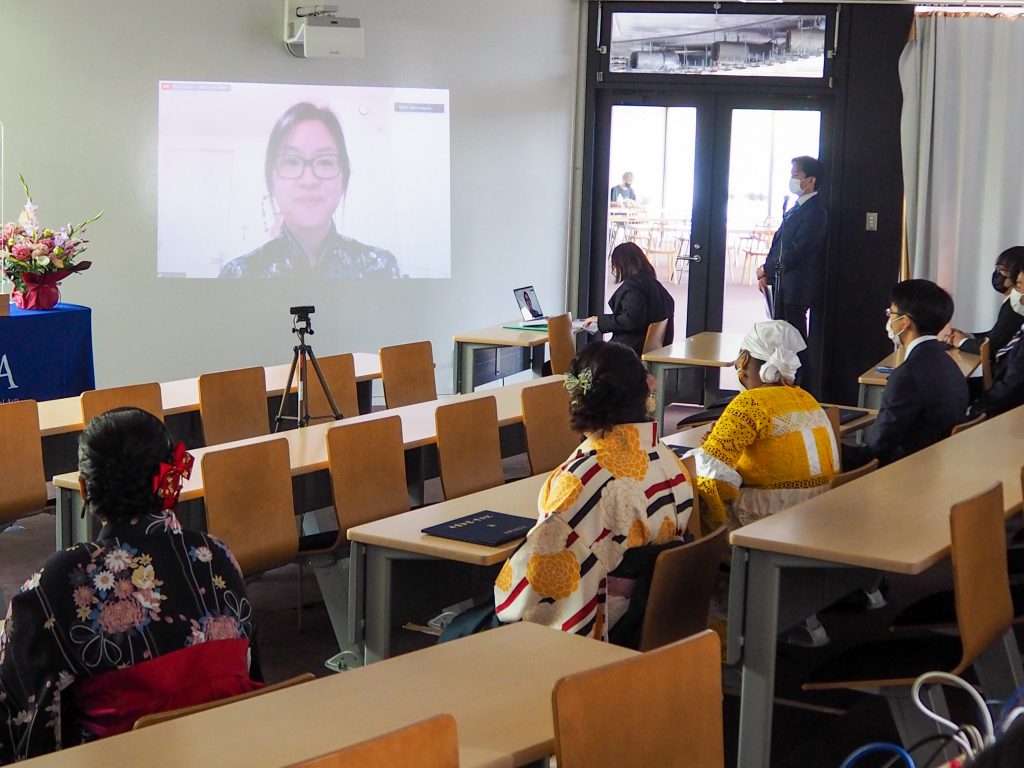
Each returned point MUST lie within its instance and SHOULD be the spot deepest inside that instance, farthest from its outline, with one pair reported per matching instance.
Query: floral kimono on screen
(621, 490)
(146, 588)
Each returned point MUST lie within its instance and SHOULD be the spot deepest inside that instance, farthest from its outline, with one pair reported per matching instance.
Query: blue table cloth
(46, 354)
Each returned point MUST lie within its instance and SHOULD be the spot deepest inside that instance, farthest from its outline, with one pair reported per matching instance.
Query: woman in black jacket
(638, 301)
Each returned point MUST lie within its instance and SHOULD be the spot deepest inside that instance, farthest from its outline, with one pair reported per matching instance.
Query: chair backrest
(367, 463)
(22, 476)
(407, 371)
(842, 478)
(249, 506)
(468, 448)
(561, 344)
(985, 349)
(684, 578)
(833, 419)
(655, 338)
(549, 439)
(144, 396)
(340, 374)
(984, 609)
(660, 708)
(233, 405)
(172, 714)
(432, 743)
(967, 424)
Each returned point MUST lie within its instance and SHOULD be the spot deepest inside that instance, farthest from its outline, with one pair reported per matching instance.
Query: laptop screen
(528, 304)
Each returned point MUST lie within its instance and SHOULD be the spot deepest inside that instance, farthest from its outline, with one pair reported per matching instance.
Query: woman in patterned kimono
(621, 489)
(108, 631)
(773, 446)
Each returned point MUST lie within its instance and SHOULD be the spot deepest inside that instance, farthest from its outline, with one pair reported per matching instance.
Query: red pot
(39, 296)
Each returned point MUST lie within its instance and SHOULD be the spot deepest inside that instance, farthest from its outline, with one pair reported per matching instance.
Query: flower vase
(37, 296)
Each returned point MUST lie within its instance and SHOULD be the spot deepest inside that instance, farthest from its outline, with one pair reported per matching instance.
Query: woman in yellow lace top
(773, 447)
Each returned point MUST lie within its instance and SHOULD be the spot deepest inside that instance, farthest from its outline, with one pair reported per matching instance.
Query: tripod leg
(303, 410)
(287, 391)
(323, 383)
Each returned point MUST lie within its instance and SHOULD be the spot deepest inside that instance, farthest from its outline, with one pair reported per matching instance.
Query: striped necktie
(1010, 344)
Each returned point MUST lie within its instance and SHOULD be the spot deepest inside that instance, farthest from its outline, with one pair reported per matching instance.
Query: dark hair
(118, 454)
(811, 166)
(629, 259)
(929, 306)
(1013, 260)
(618, 392)
(300, 113)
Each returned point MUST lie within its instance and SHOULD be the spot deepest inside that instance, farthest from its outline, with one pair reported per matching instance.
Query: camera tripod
(301, 353)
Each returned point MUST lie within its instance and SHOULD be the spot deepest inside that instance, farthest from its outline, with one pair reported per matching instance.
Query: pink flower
(21, 252)
(84, 595)
(120, 616)
(220, 628)
(123, 589)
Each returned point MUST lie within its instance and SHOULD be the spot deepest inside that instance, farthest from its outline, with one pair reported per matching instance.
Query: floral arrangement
(33, 256)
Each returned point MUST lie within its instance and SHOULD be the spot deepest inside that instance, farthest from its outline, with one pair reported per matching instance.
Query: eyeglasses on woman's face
(290, 166)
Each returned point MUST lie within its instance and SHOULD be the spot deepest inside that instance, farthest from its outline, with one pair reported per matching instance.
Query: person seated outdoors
(926, 396)
(150, 617)
(773, 446)
(638, 301)
(621, 489)
(1008, 321)
(623, 195)
(1007, 389)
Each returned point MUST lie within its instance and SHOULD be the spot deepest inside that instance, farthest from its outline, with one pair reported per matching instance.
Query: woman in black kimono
(108, 631)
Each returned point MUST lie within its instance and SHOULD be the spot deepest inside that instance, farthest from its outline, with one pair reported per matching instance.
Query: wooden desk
(896, 519)
(401, 538)
(496, 337)
(182, 396)
(707, 350)
(872, 381)
(496, 684)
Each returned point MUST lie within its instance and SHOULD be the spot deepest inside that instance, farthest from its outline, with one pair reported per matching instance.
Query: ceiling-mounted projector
(314, 31)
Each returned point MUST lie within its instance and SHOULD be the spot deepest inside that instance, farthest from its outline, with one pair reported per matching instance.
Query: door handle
(687, 257)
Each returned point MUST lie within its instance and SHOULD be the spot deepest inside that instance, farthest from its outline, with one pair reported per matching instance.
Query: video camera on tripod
(301, 352)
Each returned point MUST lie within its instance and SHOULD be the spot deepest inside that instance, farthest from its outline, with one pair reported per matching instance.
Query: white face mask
(1016, 298)
(893, 336)
(794, 186)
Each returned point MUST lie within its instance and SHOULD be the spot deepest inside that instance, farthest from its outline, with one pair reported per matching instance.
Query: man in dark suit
(926, 396)
(795, 266)
(1007, 389)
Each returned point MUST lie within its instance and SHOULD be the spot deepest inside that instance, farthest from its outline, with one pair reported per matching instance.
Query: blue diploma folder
(485, 527)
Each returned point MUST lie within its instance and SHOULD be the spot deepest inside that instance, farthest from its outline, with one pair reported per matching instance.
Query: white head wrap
(776, 342)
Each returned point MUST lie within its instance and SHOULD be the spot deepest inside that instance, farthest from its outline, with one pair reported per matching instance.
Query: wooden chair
(407, 371)
(681, 588)
(661, 708)
(432, 743)
(984, 614)
(967, 424)
(22, 476)
(549, 439)
(248, 495)
(655, 338)
(984, 350)
(468, 447)
(144, 396)
(172, 714)
(833, 419)
(340, 373)
(367, 464)
(233, 405)
(843, 478)
(561, 343)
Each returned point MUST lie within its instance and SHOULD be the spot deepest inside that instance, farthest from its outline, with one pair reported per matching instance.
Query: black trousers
(797, 316)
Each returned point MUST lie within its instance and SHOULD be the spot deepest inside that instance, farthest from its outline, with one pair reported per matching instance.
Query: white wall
(80, 109)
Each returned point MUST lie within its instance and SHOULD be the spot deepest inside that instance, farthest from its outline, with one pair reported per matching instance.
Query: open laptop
(529, 306)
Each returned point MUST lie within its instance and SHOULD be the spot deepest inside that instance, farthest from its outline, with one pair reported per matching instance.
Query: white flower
(42, 261)
(622, 501)
(32, 583)
(549, 537)
(117, 560)
(608, 552)
(103, 580)
(203, 554)
(23, 718)
(541, 613)
(64, 679)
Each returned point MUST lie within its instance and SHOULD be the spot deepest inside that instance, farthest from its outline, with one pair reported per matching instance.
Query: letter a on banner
(5, 373)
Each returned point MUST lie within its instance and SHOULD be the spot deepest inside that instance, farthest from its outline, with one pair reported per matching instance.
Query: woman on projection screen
(307, 171)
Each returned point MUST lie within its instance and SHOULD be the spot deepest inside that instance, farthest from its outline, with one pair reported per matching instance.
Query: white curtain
(963, 152)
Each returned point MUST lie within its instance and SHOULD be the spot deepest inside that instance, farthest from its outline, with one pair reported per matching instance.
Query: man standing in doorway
(795, 266)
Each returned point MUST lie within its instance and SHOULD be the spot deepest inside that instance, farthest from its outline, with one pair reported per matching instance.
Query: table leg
(999, 668)
(711, 389)
(377, 629)
(464, 367)
(72, 528)
(862, 395)
(537, 359)
(657, 370)
(760, 628)
(364, 393)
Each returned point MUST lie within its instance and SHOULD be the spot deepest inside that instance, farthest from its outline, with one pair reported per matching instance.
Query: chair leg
(913, 725)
